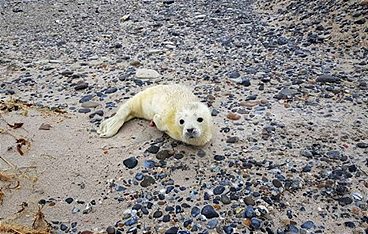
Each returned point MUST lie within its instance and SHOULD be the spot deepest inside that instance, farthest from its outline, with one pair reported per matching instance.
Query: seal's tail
(111, 126)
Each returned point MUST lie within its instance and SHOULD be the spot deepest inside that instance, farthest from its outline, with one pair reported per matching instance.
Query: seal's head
(195, 123)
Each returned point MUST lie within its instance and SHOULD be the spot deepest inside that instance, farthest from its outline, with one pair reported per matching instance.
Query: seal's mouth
(191, 133)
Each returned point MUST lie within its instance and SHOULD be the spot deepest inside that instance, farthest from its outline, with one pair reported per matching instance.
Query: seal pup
(174, 109)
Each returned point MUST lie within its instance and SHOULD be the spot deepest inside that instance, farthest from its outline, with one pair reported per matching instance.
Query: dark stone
(256, 223)
(234, 74)
(157, 214)
(360, 21)
(276, 183)
(225, 199)
(343, 201)
(214, 112)
(286, 93)
(130, 162)
(308, 225)
(209, 212)
(219, 157)
(111, 90)
(110, 230)
(232, 140)
(153, 149)
(168, 2)
(249, 201)
(63, 227)
(362, 145)
(69, 200)
(84, 110)
(147, 181)
(218, 190)
(327, 79)
(201, 153)
(163, 154)
(349, 224)
(195, 211)
(81, 86)
(166, 218)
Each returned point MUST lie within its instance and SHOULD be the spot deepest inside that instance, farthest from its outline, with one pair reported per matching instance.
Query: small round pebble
(130, 162)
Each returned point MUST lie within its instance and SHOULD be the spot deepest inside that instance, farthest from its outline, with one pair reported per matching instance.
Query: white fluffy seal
(174, 109)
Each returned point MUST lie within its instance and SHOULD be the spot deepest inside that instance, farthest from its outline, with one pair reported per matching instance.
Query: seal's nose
(190, 130)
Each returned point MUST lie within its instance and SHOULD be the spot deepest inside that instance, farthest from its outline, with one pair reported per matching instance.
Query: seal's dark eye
(200, 120)
(181, 121)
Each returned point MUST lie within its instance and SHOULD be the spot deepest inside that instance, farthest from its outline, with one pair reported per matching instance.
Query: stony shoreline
(286, 82)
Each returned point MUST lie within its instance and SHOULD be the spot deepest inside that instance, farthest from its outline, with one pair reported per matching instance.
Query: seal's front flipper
(158, 122)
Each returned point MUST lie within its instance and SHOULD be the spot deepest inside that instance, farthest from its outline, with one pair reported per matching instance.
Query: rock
(195, 211)
(360, 21)
(153, 149)
(276, 183)
(362, 145)
(157, 214)
(286, 93)
(308, 225)
(110, 230)
(90, 104)
(147, 181)
(327, 79)
(218, 190)
(212, 224)
(84, 110)
(144, 73)
(164, 154)
(225, 199)
(209, 212)
(343, 201)
(233, 74)
(111, 90)
(81, 86)
(249, 201)
(256, 223)
(168, 2)
(233, 116)
(172, 230)
(232, 140)
(86, 98)
(45, 126)
(130, 162)
(201, 153)
(69, 200)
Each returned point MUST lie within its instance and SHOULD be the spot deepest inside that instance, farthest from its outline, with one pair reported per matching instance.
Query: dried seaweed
(19, 229)
(5, 177)
(40, 222)
(1, 196)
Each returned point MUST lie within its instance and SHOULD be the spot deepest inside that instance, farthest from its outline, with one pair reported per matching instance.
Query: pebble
(153, 149)
(147, 181)
(218, 190)
(144, 73)
(209, 212)
(90, 104)
(327, 79)
(81, 86)
(110, 230)
(308, 225)
(256, 223)
(69, 200)
(195, 211)
(232, 140)
(111, 90)
(212, 224)
(172, 230)
(130, 162)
